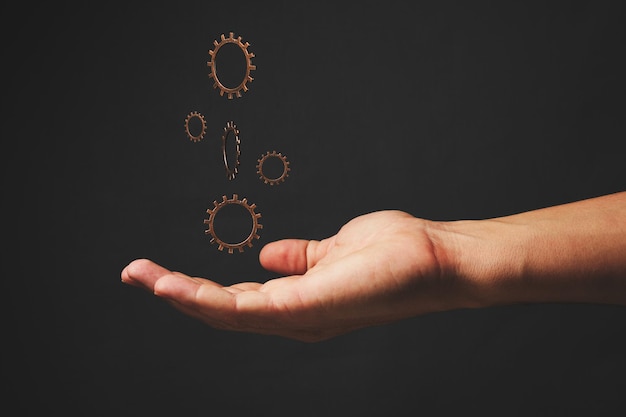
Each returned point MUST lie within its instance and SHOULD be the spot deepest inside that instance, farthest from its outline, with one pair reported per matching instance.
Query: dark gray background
(447, 110)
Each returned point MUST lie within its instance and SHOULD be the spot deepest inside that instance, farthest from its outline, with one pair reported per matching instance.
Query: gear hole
(195, 126)
(273, 167)
(230, 65)
(233, 223)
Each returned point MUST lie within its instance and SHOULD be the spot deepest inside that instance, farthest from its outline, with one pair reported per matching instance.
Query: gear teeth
(261, 161)
(211, 229)
(199, 136)
(231, 91)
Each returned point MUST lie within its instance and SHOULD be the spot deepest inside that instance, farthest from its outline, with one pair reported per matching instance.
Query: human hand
(379, 268)
(388, 265)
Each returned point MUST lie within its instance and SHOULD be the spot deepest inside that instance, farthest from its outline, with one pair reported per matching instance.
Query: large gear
(249, 67)
(211, 220)
(199, 136)
(231, 128)
(281, 178)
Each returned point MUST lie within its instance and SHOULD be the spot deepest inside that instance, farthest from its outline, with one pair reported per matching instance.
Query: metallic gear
(249, 67)
(200, 135)
(281, 178)
(255, 224)
(231, 128)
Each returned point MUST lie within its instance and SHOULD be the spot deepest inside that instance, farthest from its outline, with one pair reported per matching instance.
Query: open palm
(380, 267)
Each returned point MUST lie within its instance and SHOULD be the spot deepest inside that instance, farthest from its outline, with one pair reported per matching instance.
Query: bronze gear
(230, 127)
(281, 178)
(200, 135)
(255, 223)
(249, 67)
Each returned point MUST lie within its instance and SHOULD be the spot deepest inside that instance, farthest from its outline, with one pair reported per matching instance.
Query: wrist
(484, 259)
(568, 253)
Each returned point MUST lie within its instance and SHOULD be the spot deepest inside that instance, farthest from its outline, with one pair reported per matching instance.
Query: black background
(446, 110)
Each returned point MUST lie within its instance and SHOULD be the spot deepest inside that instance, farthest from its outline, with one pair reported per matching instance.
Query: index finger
(145, 273)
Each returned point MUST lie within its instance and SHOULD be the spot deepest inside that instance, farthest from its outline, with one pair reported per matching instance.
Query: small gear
(281, 178)
(255, 223)
(231, 128)
(249, 67)
(199, 136)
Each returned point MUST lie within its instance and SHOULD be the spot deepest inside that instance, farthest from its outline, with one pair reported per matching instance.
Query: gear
(281, 178)
(211, 220)
(249, 67)
(199, 136)
(231, 128)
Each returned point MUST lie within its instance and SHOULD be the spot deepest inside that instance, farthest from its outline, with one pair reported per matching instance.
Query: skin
(388, 265)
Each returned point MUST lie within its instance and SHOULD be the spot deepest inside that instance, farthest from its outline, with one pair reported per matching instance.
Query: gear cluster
(231, 132)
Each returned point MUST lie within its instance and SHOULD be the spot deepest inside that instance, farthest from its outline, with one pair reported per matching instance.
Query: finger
(192, 292)
(215, 305)
(243, 286)
(291, 256)
(197, 279)
(143, 273)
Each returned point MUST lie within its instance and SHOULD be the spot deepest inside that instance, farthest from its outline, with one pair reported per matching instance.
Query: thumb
(290, 256)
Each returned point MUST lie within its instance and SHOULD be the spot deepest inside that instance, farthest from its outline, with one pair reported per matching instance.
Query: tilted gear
(230, 127)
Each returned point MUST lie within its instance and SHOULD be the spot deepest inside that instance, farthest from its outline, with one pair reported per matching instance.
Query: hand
(378, 268)
(389, 265)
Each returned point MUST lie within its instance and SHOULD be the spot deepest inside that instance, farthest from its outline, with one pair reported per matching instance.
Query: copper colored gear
(281, 178)
(211, 220)
(231, 128)
(199, 136)
(249, 67)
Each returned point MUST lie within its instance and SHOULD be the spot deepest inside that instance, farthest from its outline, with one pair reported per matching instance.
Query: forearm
(574, 252)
